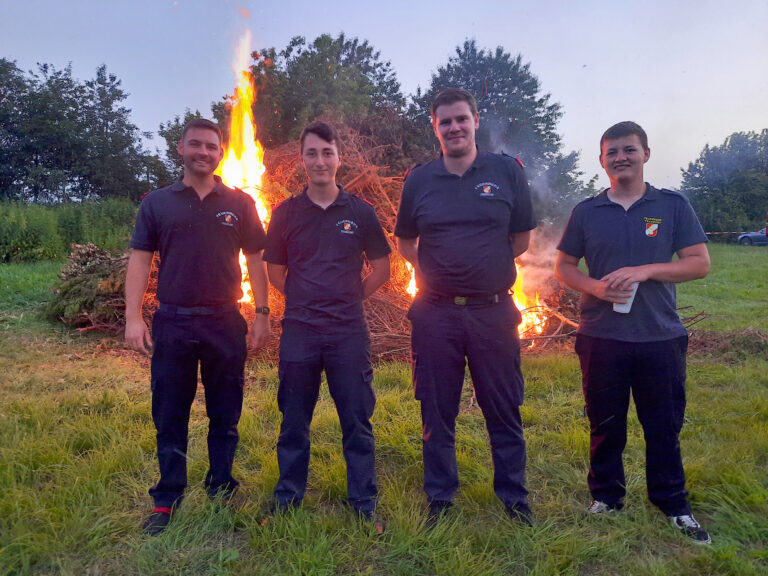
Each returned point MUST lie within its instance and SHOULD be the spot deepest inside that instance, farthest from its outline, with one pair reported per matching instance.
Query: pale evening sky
(690, 72)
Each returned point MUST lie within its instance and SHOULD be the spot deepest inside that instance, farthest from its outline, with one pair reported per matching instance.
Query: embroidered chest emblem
(487, 189)
(652, 226)
(227, 218)
(347, 226)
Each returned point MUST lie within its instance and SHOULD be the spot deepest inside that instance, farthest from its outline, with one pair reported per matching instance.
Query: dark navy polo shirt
(464, 223)
(609, 237)
(198, 241)
(323, 251)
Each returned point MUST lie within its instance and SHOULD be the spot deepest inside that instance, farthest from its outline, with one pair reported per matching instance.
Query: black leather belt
(476, 300)
(198, 310)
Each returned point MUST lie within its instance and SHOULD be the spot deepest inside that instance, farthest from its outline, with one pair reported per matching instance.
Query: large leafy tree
(14, 88)
(51, 145)
(515, 118)
(115, 162)
(728, 184)
(338, 76)
(66, 139)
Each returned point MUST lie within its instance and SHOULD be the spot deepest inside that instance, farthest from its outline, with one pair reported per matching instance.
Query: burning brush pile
(91, 294)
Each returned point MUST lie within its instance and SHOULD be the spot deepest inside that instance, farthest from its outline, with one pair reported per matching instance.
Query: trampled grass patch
(77, 455)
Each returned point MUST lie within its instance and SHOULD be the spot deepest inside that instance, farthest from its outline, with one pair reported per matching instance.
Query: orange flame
(534, 319)
(243, 163)
(411, 288)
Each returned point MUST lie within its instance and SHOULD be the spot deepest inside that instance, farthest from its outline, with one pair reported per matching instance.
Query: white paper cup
(624, 308)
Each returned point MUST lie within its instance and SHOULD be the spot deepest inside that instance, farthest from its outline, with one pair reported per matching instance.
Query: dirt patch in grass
(735, 346)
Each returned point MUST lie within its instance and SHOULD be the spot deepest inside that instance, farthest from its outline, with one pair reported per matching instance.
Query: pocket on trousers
(419, 384)
(369, 395)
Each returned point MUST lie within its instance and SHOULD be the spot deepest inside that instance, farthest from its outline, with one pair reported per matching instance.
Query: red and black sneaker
(157, 521)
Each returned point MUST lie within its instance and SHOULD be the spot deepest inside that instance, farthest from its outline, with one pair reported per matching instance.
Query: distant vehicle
(753, 238)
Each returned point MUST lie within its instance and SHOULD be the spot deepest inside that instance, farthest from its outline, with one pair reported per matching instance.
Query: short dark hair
(323, 131)
(625, 129)
(203, 123)
(451, 96)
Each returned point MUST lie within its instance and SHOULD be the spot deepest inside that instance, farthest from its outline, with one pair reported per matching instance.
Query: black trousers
(345, 357)
(217, 344)
(654, 372)
(445, 336)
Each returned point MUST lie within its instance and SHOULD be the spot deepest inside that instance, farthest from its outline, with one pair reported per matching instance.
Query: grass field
(77, 454)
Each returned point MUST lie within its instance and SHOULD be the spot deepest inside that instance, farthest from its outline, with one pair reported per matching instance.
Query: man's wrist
(262, 310)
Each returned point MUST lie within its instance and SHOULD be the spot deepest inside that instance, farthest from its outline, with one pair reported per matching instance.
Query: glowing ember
(243, 163)
(412, 288)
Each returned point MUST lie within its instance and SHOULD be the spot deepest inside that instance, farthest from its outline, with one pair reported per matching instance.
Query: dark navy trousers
(443, 336)
(345, 357)
(217, 344)
(654, 372)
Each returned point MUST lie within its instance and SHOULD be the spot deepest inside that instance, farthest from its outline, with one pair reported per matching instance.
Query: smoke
(536, 267)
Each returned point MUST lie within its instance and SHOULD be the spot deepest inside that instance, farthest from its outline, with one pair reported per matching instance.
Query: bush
(29, 232)
(35, 232)
(106, 223)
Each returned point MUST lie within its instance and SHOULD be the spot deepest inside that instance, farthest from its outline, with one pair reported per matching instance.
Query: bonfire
(546, 308)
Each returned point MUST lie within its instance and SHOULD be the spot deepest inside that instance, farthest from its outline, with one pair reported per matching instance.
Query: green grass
(77, 455)
(734, 294)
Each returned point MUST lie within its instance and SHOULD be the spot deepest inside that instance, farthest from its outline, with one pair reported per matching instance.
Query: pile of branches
(91, 294)
(363, 173)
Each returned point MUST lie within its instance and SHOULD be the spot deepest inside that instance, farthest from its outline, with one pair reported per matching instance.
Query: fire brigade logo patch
(227, 218)
(487, 189)
(652, 226)
(346, 226)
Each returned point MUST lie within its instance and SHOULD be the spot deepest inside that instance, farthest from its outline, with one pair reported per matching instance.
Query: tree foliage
(515, 117)
(728, 184)
(64, 139)
(338, 76)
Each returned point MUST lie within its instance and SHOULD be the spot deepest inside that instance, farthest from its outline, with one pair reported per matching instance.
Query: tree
(63, 139)
(728, 184)
(50, 128)
(13, 93)
(515, 117)
(115, 161)
(337, 76)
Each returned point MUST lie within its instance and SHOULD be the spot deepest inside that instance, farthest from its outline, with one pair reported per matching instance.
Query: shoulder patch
(408, 172)
(516, 158)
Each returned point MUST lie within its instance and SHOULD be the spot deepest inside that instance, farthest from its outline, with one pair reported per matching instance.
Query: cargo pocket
(419, 391)
(368, 395)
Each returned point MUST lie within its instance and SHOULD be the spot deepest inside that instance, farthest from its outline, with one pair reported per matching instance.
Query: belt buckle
(460, 300)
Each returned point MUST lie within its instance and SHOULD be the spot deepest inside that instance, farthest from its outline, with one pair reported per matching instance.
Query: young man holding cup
(630, 336)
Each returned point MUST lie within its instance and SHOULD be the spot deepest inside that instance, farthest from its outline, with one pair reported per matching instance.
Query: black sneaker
(437, 509)
(520, 513)
(156, 523)
(688, 525)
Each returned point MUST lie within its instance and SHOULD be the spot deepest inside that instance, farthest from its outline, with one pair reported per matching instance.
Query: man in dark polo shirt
(314, 255)
(198, 226)
(463, 219)
(628, 236)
